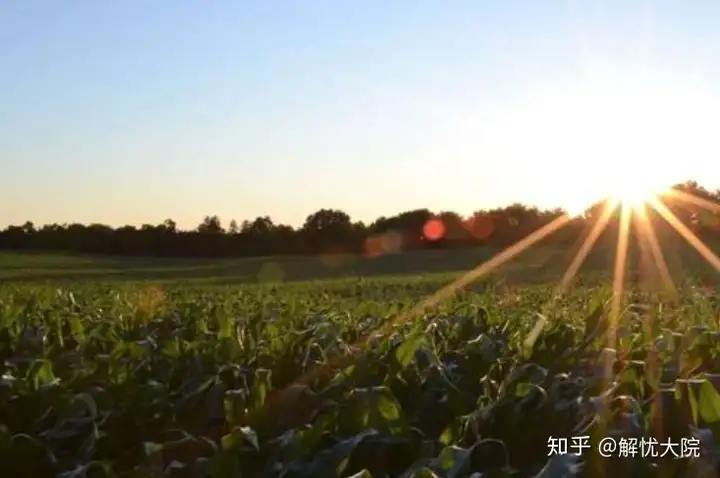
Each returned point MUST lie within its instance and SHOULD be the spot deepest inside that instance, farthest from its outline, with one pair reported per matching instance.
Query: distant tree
(409, 225)
(170, 225)
(210, 225)
(28, 227)
(262, 226)
(328, 229)
(454, 230)
(327, 220)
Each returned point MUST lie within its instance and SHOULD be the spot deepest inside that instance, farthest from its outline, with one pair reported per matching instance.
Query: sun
(613, 133)
(634, 191)
(617, 137)
(632, 185)
(621, 186)
(632, 198)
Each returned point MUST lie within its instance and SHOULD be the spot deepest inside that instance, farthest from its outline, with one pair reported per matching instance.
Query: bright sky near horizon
(136, 111)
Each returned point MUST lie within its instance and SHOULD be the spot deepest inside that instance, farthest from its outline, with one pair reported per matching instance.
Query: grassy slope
(42, 267)
(540, 264)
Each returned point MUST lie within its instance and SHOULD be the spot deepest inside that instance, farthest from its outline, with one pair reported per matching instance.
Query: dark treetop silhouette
(329, 231)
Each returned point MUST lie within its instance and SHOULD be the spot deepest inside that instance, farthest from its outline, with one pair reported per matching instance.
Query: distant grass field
(539, 264)
(42, 267)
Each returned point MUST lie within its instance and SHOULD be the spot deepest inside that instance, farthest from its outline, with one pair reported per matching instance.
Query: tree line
(332, 231)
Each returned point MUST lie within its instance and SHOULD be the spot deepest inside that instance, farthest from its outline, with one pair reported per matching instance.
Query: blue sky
(136, 111)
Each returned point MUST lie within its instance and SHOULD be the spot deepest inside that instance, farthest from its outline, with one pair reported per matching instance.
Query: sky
(136, 111)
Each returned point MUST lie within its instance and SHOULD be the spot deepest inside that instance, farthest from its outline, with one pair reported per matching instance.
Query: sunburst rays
(630, 204)
(648, 237)
(630, 214)
(684, 231)
(608, 208)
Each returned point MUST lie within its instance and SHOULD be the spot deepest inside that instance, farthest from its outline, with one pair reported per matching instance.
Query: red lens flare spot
(434, 229)
(373, 246)
(480, 226)
(388, 242)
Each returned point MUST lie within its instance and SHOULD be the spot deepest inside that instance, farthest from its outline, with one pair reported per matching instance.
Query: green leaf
(388, 406)
(261, 387)
(454, 460)
(405, 353)
(332, 462)
(709, 403)
(152, 448)
(595, 323)
(41, 373)
(90, 402)
(239, 438)
(423, 472)
(377, 408)
(362, 474)
(234, 406)
(451, 433)
(76, 328)
(685, 393)
(529, 342)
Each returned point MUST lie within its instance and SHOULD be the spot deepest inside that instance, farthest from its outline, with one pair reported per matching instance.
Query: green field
(48, 267)
(540, 264)
(313, 367)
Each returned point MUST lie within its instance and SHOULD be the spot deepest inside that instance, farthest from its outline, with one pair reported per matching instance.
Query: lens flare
(434, 229)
